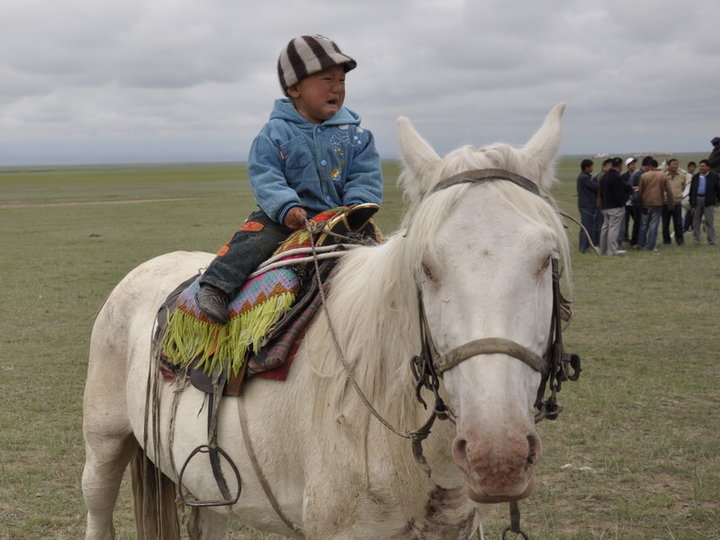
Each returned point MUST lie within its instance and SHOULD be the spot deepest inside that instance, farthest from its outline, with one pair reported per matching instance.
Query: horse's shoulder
(180, 262)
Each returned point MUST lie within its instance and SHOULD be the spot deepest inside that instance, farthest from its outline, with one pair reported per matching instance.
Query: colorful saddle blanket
(190, 338)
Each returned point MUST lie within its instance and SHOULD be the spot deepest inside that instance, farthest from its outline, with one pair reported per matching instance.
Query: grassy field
(635, 454)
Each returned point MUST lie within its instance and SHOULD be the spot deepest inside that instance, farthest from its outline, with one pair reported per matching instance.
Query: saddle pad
(191, 337)
(260, 303)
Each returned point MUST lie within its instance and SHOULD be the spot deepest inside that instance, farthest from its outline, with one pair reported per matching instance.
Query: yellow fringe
(222, 346)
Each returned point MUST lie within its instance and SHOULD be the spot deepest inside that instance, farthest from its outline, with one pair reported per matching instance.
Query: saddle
(281, 299)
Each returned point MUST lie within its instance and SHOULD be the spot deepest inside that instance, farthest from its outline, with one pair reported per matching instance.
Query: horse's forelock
(497, 156)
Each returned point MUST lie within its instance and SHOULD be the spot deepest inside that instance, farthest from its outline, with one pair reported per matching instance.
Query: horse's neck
(373, 310)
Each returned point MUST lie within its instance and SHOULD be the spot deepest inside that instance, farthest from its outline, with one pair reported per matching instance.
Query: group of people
(647, 195)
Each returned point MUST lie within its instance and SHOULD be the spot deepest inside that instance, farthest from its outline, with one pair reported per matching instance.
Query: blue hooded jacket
(294, 162)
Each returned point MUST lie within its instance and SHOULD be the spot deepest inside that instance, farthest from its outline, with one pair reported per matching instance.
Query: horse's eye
(428, 272)
(544, 265)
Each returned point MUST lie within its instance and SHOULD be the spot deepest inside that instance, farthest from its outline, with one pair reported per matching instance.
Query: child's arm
(364, 182)
(266, 172)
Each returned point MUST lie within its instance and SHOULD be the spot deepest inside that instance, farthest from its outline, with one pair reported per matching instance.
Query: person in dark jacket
(587, 193)
(714, 157)
(634, 182)
(704, 195)
(613, 195)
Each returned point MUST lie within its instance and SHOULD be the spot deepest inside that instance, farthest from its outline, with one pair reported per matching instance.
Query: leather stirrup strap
(213, 406)
(258, 471)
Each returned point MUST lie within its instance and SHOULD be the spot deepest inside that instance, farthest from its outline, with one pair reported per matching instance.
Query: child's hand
(295, 218)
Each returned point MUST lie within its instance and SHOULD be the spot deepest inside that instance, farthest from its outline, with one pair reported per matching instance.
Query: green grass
(635, 453)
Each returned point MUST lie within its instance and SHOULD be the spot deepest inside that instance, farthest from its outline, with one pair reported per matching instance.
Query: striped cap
(306, 55)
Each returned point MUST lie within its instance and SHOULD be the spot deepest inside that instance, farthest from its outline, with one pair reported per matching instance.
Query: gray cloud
(151, 80)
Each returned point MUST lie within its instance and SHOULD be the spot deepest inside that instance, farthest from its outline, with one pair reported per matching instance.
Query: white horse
(478, 254)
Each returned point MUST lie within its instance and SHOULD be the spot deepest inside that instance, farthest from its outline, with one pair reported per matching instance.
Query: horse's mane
(373, 302)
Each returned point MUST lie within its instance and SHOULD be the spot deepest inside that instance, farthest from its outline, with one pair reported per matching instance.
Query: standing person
(654, 188)
(587, 193)
(623, 235)
(688, 218)
(714, 157)
(614, 192)
(599, 216)
(673, 206)
(704, 195)
(312, 155)
(635, 199)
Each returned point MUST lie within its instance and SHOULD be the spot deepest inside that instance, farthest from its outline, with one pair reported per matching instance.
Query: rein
(417, 436)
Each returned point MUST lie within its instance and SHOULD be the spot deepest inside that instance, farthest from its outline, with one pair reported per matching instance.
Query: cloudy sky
(112, 81)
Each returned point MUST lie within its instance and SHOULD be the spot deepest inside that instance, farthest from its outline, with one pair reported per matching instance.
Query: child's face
(319, 96)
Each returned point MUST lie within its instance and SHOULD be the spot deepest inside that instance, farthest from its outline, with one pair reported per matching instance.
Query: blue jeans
(588, 218)
(252, 245)
(637, 221)
(649, 227)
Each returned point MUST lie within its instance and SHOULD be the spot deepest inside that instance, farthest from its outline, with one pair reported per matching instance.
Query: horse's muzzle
(498, 471)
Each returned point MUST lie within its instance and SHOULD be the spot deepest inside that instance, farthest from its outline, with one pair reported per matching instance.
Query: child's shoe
(213, 302)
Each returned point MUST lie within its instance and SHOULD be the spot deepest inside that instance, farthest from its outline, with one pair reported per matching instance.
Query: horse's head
(483, 255)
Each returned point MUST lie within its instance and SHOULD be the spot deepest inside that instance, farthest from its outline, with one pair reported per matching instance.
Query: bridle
(555, 366)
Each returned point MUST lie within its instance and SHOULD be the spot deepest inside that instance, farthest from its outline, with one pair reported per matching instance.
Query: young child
(312, 155)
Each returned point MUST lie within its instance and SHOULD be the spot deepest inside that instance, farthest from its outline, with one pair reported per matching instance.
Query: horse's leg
(109, 441)
(205, 524)
(106, 459)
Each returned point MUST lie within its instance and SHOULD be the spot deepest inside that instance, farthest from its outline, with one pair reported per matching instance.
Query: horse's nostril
(460, 450)
(532, 451)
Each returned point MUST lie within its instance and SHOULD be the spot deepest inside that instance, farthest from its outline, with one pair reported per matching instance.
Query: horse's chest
(446, 515)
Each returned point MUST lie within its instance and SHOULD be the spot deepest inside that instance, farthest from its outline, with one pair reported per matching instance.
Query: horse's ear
(545, 144)
(415, 151)
(417, 157)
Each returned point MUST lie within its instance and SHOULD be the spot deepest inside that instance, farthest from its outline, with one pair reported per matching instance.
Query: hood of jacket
(284, 110)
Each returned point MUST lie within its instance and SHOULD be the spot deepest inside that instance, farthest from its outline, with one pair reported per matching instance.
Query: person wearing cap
(714, 157)
(704, 195)
(311, 155)
(688, 216)
(673, 205)
(623, 236)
